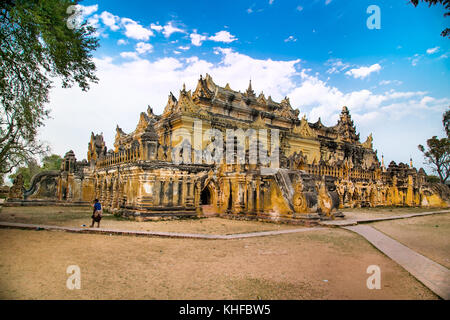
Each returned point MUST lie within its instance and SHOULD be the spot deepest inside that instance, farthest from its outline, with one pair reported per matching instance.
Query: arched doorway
(205, 197)
(207, 201)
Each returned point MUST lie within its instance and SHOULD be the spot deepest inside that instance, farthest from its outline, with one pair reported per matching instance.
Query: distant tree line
(52, 162)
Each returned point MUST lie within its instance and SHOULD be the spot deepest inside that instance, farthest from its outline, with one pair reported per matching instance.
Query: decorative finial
(250, 90)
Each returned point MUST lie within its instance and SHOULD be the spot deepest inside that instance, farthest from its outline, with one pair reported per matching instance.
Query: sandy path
(292, 266)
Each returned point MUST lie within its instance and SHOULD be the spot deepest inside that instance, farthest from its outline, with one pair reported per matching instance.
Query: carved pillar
(115, 193)
(102, 190)
(258, 191)
(175, 192)
(184, 191)
(250, 193)
(165, 200)
(190, 192)
(197, 193)
(156, 194)
(245, 204)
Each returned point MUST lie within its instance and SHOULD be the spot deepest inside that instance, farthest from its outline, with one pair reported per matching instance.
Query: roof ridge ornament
(250, 91)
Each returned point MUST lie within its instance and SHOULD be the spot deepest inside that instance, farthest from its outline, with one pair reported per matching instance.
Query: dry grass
(429, 235)
(383, 212)
(291, 266)
(77, 216)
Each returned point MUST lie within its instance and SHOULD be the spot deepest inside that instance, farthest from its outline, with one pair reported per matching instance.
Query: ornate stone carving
(368, 143)
(16, 191)
(304, 130)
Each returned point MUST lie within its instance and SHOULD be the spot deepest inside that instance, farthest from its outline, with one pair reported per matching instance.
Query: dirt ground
(77, 216)
(429, 235)
(383, 212)
(319, 264)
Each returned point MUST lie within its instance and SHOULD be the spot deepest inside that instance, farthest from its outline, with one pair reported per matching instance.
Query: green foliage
(52, 162)
(446, 122)
(36, 47)
(27, 172)
(433, 179)
(445, 3)
(437, 153)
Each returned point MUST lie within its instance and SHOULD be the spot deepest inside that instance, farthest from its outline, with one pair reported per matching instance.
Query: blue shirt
(97, 206)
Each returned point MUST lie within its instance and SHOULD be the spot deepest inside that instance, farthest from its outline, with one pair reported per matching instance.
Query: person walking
(97, 214)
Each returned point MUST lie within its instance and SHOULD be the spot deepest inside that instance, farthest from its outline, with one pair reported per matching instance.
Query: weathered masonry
(319, 170)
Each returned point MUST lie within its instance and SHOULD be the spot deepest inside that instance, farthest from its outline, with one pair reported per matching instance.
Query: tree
(29, 171)
(36, 48)
(433, 179)
(437, 154)
(446, 122)
(445, 3)
(52, 162)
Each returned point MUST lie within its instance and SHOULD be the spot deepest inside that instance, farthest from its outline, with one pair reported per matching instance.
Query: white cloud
(299, 8)
(135, 31)
(363, 72)
(94, 21)
(327, 2)
(387, 82)
(336, 66)
(184, 48)
(223, 36)
(143, 47)
(136, 83)
(415, 59)
(326, 101)
(110, 20)
(290, 39)
(156, 27)
(197, 39)
(122, 42)
(271, 2)
(168, 29)
(84, 13)
(432, 50)
(129, 54)
(88, 10)
(133, 84)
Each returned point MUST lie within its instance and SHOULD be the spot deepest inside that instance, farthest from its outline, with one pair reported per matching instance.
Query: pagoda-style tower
(345, 127)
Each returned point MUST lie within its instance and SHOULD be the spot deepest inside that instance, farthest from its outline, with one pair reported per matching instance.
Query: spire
(410, 162)
(250, 91)
(345, 110)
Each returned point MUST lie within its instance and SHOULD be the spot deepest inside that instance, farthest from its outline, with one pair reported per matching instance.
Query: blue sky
(320, 53)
